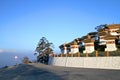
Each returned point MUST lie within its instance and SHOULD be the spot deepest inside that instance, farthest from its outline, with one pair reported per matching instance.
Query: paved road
(45, 72)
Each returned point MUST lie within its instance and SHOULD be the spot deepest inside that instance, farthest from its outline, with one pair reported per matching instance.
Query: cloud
(14, 51)
(1, 50)
(7, 50)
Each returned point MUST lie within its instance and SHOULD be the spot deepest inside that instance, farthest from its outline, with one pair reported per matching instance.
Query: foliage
(115, 53)
(43, 46)
(118, 46)
(43, 49)
(5, 66)
(81, 49)
(100, 27)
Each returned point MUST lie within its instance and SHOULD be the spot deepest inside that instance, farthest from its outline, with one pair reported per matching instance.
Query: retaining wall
(86, 62)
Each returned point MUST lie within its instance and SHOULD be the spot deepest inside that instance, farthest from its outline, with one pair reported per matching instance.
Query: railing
(94, 54)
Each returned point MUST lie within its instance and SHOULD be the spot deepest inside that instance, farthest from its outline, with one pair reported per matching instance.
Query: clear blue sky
(24, 22)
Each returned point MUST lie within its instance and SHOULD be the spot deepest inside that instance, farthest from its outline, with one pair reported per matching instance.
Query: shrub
(25, 60)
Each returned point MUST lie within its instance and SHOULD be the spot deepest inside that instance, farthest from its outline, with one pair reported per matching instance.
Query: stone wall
(87, 62)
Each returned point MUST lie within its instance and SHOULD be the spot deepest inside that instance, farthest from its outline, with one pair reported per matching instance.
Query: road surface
(46, 72)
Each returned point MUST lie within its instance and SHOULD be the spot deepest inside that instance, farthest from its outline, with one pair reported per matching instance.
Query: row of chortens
(106, 38)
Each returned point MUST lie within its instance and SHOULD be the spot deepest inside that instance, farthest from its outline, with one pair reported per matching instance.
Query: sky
(24, 22)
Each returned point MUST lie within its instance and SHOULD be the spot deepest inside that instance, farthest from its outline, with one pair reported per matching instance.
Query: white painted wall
(113, 31)
(65, 50)
(87, 62)
(74, 49)
(89, 49)
(111, 47)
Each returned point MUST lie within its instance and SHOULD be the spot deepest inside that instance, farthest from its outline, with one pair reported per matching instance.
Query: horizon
(24, 23)
(8, 58)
